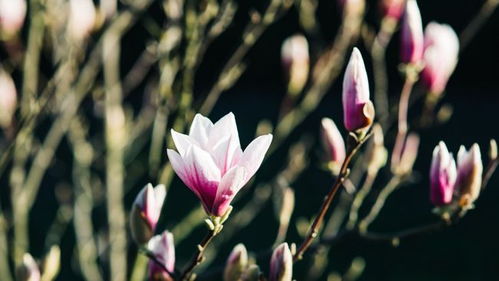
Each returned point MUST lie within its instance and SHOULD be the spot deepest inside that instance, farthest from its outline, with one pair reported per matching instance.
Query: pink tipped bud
(403, 162)
(82, 17)
(281, 264)
(295, 61)
(146, 211)
(28, 270)
(442, 176)
(441, 50)
(412, 42)
(333, 142)
(358, 110)
(469, 174)
(8, 98)
(392, 8)
(236, 263)
(163, 249)
(12, 14)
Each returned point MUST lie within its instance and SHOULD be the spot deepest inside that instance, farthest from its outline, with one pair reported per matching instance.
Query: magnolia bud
(295, 61)
(236, 263)
(442, 176)
(441, 50)
(146, 211)
(28, 270)
(82, 18)
(469, 174)
(392, 8)
(376, 152)
(402, 163)
(51, 264)
(163, 249)
(412, 42)
(12, 14)
(281, 264)
(333, 142)
(358, 110)
(8, 98)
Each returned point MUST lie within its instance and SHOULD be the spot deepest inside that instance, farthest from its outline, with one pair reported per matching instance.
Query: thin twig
(199, 256)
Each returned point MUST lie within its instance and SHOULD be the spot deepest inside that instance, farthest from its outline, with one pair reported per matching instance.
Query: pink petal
(254, 153)
(230, 184)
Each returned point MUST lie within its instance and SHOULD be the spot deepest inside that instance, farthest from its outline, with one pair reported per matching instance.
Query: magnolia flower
(442, 176)
(358, 110)
(392, 8)
(281, 264)
(412, 42)
(28, 270)
(295, 61)
(8, 98)
(469, 174)
(236, 263)
(211, 163)
(12, 14)
(333, 141)
(163, 249)
(82, 18)
(146, 211)
(441, 50)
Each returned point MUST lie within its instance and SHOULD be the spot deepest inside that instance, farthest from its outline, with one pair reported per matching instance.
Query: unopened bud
(442, 176)
(8, 98)
(334, 144)
(493, 149)
(358, 110)
(281, 264)
(146, 211)
(295, 61)
(412, 42)
(163, 249)
(12, 14)
(469, 175)
(82, 19)
(236, 263)
(253, 273)
(51, 264)
(28, 270)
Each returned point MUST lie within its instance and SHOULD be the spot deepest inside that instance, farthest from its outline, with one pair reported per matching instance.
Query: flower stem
(344, 171)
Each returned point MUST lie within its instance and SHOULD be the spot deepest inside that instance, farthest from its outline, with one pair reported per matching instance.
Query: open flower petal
(253, 154)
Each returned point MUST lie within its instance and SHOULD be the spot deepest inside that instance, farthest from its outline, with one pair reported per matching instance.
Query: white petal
(182, 142)
(226, 126)
(254, 153)
(200, 129)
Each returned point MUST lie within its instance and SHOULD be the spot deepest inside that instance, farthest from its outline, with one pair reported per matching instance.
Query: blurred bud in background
(252, 274)
(8, 98)
(442, 176)
(358, 110)
(333, 143)
(352, 8)
(146, 211)
(281, 264)
(82, 19)
(51, 264)
(392, 9)
(163, 249)
(236, 263)
(441, 50)
(376, 154)
(295, 61)
(412, 40)
(28, 270)
(402, 163)
(469, 175)
(12, 14)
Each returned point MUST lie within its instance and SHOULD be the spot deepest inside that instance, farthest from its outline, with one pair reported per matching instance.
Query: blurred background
(465, 251)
